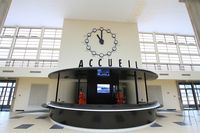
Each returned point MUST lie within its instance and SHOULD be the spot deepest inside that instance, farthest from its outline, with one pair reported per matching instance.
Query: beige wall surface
(169, 92)
(73, 48)
(23, 88)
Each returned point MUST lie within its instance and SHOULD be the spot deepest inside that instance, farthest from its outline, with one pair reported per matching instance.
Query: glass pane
(5, 103)
(183, 95)
(169, 38)
(24, 32)
(181, 39)
(8, 89)
(36, 32)
(181, 86)
(9, 31)
(7, 94)
(147, 47)
(184, 98)
(198, 86)
(185, 102)
(6, 98)
(188, 86)
(10, 84)
(49, 33)
(183, 92)
(191, 102)
(4, 53)
(6, 42)
(190, 98)
(190, 40)
(145, 37)
(190, 95)
(3, 84)
(2, 95)
(12, 94)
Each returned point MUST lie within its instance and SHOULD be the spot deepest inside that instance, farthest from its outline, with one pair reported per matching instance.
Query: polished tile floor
(39, 122)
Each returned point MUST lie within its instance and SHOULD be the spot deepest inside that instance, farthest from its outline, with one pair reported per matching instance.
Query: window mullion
(40, 47)
(12, 47)
(178, 49)
(156, 50)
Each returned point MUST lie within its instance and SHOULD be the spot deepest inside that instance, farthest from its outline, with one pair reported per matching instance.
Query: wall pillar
(4, 7)
(193, 7)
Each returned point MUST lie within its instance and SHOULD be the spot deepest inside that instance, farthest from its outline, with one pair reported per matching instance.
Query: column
(4, 7)
(193, 7)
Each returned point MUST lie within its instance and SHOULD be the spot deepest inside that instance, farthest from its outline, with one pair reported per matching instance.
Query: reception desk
(103, 116)
(103, 103)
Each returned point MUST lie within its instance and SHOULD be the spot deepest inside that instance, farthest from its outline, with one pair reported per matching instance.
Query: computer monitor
(103, 88)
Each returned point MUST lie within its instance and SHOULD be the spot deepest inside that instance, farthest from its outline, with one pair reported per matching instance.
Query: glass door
(6, 94)
(190, 95)
(197, 93)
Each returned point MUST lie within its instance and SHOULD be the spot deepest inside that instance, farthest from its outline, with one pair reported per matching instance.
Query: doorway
(190, 95)
(155, 94)
(7, 89)
(38, 95)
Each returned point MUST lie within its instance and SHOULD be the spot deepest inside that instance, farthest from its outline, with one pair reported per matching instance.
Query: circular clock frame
(96, 53)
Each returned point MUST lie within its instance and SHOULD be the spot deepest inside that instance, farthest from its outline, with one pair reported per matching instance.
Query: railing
(28, 63)
(171, 67)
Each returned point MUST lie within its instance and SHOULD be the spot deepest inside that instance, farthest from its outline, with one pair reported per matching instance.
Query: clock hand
(102, 34)
(98, 37)
(101, 41)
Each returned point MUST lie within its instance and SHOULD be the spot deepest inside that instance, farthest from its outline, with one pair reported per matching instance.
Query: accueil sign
(106, 63)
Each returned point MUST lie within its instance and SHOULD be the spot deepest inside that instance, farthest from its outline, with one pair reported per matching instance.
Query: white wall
(178, 75)
(23, 88)
(66, 92)
(73, 48)
(25, 72)
(169, 92)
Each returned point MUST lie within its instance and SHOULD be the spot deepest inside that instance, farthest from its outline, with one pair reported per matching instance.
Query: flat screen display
(103, 72)
(103, 88)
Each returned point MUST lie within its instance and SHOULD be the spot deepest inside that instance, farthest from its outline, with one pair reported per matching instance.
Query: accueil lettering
(92, 63)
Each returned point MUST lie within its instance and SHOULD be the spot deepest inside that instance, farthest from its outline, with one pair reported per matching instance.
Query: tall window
(29, 47)
(169, 52)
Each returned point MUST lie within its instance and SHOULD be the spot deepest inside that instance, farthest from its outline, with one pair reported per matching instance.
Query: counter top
(104, 107)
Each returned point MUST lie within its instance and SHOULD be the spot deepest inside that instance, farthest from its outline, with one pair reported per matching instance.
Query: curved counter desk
(103, 105)
(103, 116)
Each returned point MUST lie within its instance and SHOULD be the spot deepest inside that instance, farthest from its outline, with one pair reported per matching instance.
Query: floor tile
(16, 117)
(42, 117)
(161, 116)
(156, 125)
(56, 127)
(24, 126)
(166, 122)
(181, 123)
(180, 115)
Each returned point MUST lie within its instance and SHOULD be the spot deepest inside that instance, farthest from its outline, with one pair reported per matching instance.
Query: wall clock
(101, 42)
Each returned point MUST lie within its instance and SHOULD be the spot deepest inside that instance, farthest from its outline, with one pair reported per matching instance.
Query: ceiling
(168, 16)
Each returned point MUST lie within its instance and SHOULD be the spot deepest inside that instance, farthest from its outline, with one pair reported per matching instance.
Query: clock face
(101, 42)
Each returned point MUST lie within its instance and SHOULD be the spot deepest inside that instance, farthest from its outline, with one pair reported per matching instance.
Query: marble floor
(39, 122)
